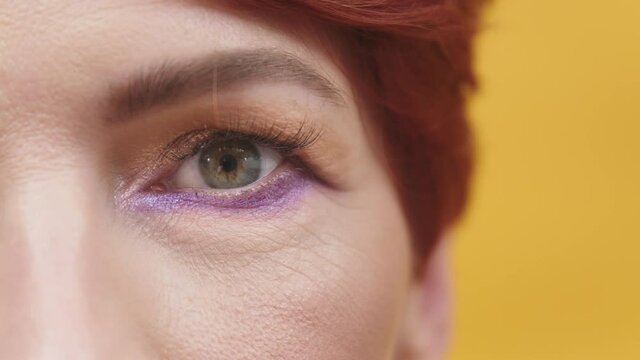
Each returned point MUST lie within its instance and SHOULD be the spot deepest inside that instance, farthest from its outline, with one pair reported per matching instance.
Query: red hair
(412, 63)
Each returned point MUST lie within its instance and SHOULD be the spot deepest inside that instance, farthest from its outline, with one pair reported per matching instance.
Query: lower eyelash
(274, 194)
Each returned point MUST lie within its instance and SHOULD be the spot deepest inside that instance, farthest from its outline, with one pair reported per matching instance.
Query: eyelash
(288, 144)
(190, 143)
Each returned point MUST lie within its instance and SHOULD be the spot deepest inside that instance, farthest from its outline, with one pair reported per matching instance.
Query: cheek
(326, 283)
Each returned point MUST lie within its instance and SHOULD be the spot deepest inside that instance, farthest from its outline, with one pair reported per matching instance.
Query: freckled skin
(325, 275)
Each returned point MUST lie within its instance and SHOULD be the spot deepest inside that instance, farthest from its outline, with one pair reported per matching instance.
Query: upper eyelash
(287, 143)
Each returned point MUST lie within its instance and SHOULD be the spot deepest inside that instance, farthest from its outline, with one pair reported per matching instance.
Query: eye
(226, 164)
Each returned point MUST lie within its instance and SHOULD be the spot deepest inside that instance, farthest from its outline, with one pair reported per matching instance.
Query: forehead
(79, 23)
(65, 51)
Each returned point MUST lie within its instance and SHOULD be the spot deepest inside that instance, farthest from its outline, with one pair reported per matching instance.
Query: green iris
(227, 164)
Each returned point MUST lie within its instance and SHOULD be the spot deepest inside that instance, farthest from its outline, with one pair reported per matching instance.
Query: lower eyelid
(279, 192)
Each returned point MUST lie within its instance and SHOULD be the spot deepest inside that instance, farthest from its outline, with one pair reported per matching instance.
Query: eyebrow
(173, 81)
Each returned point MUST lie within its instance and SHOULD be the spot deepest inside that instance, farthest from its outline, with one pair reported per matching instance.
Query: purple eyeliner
(277, 193)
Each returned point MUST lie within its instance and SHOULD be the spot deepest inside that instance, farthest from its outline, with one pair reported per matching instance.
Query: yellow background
(547, 261)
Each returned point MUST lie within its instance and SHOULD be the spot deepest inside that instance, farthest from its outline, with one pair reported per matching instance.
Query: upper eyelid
(191, 142)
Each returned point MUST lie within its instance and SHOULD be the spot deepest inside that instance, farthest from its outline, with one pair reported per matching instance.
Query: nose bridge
(56, 223)
(15, 297)
(48, 230)
(55, 298)
(66, 298)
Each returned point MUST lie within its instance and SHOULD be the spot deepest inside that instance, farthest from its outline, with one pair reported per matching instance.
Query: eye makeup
(287, 182)
(150, 149)
(277, 192)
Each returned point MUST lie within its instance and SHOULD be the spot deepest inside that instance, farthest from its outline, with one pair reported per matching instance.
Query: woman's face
(180, 180)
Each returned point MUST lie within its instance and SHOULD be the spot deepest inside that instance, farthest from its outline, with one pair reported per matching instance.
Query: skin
(322, 274)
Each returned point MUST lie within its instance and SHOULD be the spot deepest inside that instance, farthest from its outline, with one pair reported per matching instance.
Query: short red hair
(412, 63)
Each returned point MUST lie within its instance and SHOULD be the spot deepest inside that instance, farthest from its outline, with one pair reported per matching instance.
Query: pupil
(228, 163)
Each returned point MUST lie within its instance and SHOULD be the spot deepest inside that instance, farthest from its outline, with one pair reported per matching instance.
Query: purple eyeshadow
(278, 193)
